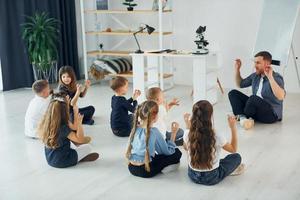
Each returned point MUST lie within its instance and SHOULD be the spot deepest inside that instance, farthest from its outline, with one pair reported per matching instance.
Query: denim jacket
(157, 145)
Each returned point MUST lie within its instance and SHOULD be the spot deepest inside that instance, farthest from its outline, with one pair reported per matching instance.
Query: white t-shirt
(220, 142)
(258, 93)
(35, 111)
(161, 122)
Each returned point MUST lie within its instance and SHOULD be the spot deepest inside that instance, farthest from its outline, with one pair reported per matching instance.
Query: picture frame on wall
(166, 4)
(102, 4)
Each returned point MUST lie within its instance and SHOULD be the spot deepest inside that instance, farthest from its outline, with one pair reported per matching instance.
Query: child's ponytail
(147, 157)
(133, 130)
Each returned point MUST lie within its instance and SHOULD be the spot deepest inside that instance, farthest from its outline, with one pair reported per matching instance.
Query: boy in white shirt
(157, 95)
(37, 107)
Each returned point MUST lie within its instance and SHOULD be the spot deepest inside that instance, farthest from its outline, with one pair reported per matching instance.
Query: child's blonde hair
(56, 115)
(146, 112)
(153, 93)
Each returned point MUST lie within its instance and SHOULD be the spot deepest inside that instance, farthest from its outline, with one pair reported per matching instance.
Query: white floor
(271, 153)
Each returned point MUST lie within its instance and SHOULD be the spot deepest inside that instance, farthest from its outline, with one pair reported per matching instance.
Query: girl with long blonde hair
(148, 153)
(57, 132)
(204, 145)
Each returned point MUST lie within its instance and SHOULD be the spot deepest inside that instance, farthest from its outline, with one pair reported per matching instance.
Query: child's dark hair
(117, 82)
(39, 85)
(56, 115)
(147, 111)
(70, 71)
(152, 93)
(202, 136)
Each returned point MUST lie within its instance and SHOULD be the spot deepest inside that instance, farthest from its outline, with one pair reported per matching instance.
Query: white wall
(232, 26)
(290, 76)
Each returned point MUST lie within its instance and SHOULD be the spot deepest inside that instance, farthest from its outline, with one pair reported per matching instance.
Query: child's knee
(92, 109)
(237, 158)
(178, 154)
(232, 93)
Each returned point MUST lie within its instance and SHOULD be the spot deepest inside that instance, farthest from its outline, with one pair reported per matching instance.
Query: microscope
(200, 41)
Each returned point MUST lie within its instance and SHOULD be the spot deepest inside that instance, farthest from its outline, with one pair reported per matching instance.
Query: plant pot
(49, 73)
(130, 8)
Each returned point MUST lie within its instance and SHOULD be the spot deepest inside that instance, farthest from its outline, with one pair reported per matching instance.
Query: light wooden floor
(271, 153)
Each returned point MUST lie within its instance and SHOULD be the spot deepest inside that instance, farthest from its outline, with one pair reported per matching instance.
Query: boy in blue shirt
(120, 119)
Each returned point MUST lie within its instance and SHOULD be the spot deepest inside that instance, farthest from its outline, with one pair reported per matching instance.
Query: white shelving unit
(160, 35)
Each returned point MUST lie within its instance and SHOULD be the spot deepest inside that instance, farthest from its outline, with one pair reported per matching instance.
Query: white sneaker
(170, 168)
(239, 170)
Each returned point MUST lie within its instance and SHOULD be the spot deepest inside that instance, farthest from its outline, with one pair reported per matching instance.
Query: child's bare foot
(90, 157)
(239, 170)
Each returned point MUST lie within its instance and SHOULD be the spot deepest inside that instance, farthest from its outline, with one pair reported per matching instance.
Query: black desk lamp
(149, 30)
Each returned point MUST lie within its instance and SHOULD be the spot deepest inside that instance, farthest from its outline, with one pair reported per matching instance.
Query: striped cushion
(114, 65)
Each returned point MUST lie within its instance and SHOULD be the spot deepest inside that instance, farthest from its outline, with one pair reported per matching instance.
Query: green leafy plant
(40, 33)
(130, 4)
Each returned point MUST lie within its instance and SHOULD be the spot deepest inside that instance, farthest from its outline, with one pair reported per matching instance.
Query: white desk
(204, 76)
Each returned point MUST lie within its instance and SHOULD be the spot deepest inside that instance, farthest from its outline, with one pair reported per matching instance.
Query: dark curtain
(16, 69)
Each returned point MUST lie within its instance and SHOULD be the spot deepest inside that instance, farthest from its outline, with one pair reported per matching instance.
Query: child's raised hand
(78, 86)
(87, 83)
(231, 121)
(136, 94)
(174, 102)
(174, 130)
(187, 120)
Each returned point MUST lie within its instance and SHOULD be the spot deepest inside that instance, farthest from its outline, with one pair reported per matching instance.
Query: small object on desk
(149, 30)
(108, 30)
(163, 51)
(201, 42)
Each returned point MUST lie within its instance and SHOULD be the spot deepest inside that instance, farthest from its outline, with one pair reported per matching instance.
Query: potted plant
(129, 4)
(40, 33)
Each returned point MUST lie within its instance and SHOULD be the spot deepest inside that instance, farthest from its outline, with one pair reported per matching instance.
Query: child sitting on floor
(204, 146)
(57, 132)
(37, 107)
(120, 120)
(68, 86)
(157, 95)
(148, 152)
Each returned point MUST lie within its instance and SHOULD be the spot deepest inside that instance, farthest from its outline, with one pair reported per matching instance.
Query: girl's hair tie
(60, 99)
